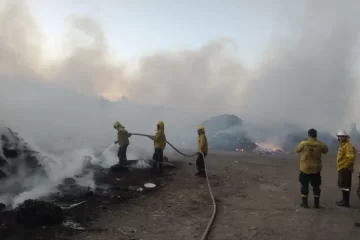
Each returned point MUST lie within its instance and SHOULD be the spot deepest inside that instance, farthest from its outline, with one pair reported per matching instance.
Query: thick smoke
(306, 77)
(310, 80)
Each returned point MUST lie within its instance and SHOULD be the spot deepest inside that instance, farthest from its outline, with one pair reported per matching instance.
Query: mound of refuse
(225, 132)
(33, 213)
(18, 162)
(221, 122)
(293, 139)
(16, 154)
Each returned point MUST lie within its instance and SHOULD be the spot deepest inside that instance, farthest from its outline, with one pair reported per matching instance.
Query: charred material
(2, 175)
(33, 213)
(2, 206)
(16, 153)
(220, 123)
(230, 142)
(225, 132)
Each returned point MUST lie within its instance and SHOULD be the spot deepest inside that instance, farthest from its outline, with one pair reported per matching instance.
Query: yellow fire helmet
(117, 124)
(201, 128)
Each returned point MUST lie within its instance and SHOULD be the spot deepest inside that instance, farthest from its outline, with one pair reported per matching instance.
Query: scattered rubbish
(73, 205)
(2, 206)
(34, 213)
(118, 179)
(69, 181)
(159, 214)
(78, 227)
(149, 185)
(190, 163)
(127, 230)
(133, 188)
(118, 168)
(2, 174)
(73, 225)
(140, 189)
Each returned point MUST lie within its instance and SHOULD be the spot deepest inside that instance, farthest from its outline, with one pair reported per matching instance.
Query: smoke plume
(310, 80)
(307, 76)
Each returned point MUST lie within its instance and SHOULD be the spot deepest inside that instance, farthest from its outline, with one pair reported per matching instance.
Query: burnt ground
(113, 189)
(258, 198)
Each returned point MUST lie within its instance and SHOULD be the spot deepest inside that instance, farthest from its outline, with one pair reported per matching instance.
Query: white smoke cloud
(307, 76)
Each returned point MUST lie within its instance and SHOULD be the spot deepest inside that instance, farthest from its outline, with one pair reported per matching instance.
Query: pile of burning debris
(265, 148)
(16, 153)
(226, 132)
(19, 163)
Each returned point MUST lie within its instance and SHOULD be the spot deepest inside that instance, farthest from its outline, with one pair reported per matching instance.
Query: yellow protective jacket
(122, 136)
(202, 143)
(160, 138)
(345, 156)
(310, 151)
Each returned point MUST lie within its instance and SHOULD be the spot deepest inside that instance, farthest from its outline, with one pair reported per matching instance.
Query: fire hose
(212, 219)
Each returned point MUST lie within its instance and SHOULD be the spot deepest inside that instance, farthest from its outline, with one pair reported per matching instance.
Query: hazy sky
(137, 27)
(268, 60)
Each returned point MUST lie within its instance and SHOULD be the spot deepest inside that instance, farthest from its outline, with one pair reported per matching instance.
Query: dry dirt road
(258, 198)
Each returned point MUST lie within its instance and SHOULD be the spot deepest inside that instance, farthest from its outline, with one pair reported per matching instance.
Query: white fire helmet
(342, 133)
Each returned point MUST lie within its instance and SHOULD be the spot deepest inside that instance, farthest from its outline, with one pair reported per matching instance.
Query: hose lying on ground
(151, 137)
(212, 219)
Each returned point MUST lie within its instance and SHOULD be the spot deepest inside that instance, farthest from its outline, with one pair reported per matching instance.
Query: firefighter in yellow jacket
(123, 141)
(159, 145)
(310, 167)
(202, 151)
(345, 164)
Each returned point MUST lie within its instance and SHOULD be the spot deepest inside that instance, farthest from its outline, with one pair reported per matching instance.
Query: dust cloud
(308, 77)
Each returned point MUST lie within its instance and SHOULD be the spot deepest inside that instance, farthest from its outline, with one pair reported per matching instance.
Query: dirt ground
(258, 198)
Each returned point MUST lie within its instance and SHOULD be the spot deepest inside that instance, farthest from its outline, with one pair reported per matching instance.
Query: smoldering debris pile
(18, 161)
(25, 173)
(33, 213)
(15, 153)
(226, 132)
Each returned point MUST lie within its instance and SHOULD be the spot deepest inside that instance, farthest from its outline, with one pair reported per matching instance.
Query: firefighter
(345, 164)
(202, 151)
(123, 141)
(310, 167)
(159, 145)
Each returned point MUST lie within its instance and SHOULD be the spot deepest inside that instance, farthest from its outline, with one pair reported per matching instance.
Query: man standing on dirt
(310, 167)
(159, 145)
(345, 164)
(202, 151)
(123, 141)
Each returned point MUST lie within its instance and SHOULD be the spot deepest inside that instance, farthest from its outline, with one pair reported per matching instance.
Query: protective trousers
(200, 164)
(314, 179)
(158, 158)
(122, 154)
(344, 183)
